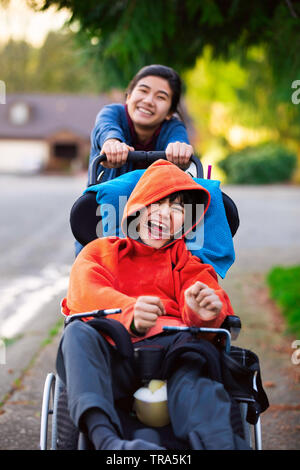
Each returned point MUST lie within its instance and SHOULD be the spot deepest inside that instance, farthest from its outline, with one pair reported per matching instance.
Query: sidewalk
(20, 418)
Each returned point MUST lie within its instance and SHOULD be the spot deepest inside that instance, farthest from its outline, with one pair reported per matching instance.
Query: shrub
(284, 283)
(262, 164)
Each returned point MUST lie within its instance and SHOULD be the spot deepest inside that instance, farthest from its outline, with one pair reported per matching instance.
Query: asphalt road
(36, 252)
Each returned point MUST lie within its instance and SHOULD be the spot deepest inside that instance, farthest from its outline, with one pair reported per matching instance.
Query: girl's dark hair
(168, 74)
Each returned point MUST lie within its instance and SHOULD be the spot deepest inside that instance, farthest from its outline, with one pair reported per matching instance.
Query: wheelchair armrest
(93, 314)
(233, 324)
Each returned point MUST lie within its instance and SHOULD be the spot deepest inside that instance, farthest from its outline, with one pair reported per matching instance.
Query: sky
(18, 21)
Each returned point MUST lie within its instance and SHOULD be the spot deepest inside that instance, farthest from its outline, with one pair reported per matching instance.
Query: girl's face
(160, 221)
(149, 102)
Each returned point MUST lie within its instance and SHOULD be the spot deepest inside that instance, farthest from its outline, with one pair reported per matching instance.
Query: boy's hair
(190, 199)
(185, 197)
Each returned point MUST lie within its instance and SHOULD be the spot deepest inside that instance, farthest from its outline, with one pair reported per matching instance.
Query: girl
(146, 122)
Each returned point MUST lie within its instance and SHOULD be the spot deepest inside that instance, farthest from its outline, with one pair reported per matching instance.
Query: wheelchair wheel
(47, 409)
(64, 435)
(252, 433)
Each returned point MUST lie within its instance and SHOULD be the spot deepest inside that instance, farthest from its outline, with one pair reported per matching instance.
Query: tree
(222, 94)
(62, 68)
(25, 68)
(16, 63)
(124, 35)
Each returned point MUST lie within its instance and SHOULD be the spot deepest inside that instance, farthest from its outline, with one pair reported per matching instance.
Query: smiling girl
(147, 121)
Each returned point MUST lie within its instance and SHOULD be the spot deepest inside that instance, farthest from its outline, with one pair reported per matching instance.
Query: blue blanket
(211, 242)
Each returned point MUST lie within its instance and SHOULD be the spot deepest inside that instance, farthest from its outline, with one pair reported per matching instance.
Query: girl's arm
(116, 153)
(179, 153)
(109, 136)
(176, 143)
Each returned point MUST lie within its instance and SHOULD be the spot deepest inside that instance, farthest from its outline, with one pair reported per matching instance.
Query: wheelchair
(249, 401)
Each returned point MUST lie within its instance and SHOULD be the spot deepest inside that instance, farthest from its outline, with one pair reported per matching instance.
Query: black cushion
(85, 219)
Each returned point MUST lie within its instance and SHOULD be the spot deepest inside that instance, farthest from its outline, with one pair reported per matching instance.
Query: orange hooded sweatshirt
(113, 272)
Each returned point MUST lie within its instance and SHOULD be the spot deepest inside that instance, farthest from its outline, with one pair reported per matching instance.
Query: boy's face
(160, 221)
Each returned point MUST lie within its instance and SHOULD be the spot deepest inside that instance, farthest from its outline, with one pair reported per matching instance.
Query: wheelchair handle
(195, 330)
(138, 156)
(94, 314)
(133, 156)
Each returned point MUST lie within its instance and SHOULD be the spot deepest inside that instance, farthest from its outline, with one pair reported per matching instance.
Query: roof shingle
(51, 113)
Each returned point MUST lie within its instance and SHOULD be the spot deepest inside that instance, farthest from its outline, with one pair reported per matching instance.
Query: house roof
(49, 114)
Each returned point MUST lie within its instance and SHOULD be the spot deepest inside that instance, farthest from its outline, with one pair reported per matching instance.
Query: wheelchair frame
(53, 386)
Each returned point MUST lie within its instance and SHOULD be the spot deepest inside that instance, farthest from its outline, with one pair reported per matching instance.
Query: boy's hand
(146, 311)
(116, 153)
(179, 153)
(203, 300)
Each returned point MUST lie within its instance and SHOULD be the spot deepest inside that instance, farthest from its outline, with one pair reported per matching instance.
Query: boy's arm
(92, 287)
(191, 273)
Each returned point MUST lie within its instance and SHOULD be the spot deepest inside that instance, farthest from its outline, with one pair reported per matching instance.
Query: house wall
(23, 155)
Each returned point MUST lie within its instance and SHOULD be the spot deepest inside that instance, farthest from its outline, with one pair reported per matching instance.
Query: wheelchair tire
(66, 434)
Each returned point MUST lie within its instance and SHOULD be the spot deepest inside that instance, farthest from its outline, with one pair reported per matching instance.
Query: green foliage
(216, 80)
(283, 47)
(124, 35)
(57, 66)
(265, 163)
(284, 283)
(16, 60)
(255, 42)
(248, 93)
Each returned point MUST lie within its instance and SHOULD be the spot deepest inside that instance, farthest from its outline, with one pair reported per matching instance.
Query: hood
(161, 179)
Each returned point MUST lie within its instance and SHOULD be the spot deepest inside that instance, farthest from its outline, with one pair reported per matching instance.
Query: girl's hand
(146, 311)
(203, 300)
(116, 153)
(179, 153)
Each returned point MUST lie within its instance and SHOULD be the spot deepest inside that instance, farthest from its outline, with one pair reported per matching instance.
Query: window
(19, 114)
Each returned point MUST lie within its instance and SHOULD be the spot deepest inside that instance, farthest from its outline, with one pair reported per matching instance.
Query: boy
(155, 281)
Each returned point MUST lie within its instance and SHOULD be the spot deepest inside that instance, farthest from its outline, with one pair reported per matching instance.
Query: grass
(284, 284)
(53, 332)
